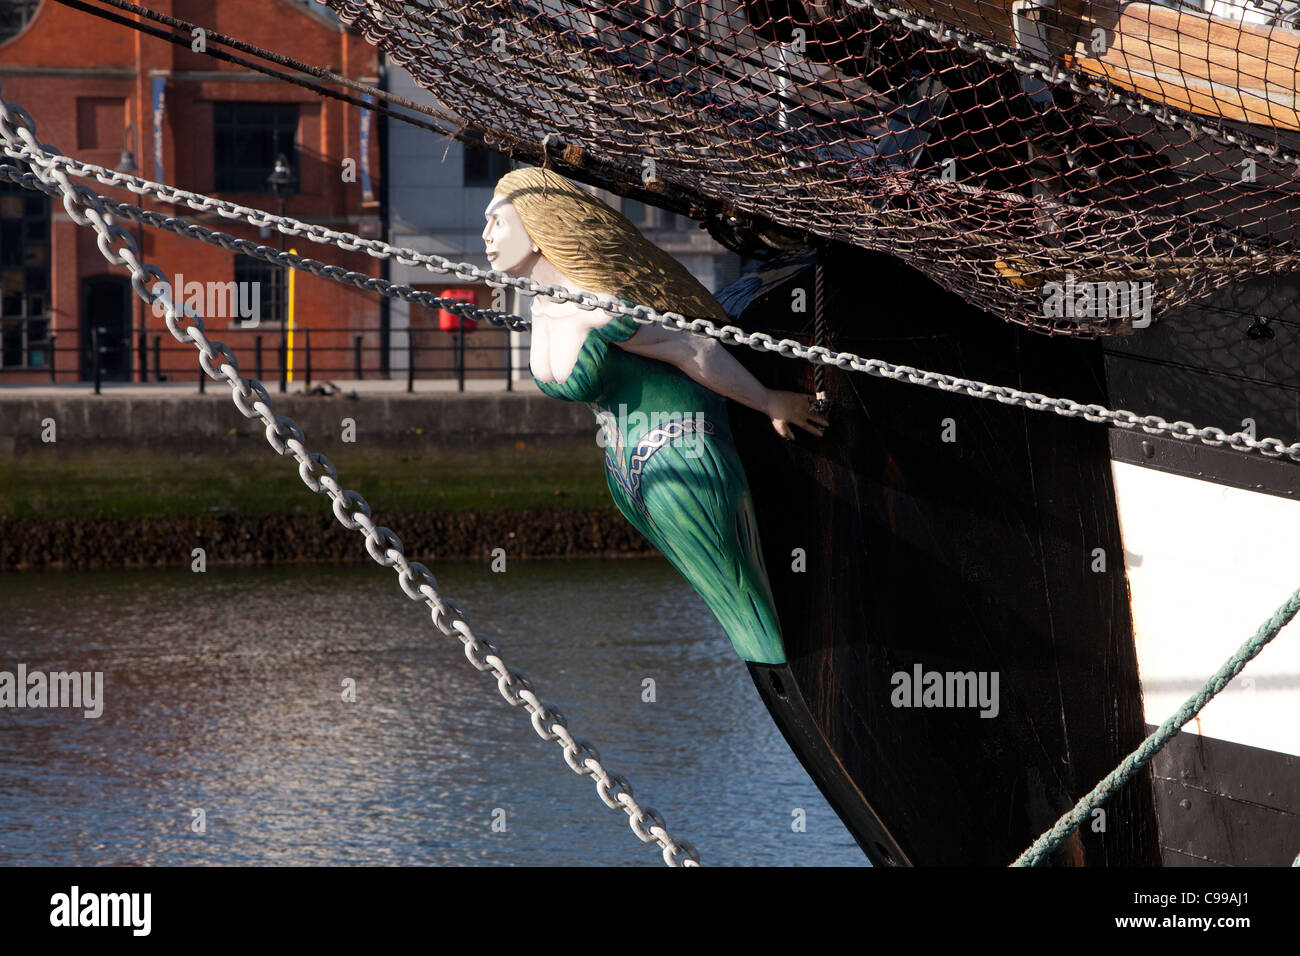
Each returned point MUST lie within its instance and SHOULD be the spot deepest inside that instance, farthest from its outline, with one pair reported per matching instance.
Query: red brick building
(100, 91)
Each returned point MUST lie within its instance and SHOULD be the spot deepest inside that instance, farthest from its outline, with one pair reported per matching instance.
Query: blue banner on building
(159, 93)
(367, 193)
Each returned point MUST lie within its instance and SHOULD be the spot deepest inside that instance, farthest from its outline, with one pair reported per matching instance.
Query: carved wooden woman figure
(660, 395)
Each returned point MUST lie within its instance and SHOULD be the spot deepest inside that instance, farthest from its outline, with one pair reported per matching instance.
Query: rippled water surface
(223, 692)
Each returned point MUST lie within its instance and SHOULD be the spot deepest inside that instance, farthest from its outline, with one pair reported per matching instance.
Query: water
(223, 692)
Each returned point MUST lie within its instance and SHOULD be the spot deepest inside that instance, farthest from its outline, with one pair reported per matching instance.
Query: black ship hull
(935, 533)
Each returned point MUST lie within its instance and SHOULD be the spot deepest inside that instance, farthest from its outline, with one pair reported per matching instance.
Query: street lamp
(281, 177)
(126, 163)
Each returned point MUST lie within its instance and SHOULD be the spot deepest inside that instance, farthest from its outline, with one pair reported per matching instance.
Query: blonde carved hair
(596, 247)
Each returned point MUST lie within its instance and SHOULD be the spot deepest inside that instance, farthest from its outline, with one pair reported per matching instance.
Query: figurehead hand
(787, 409)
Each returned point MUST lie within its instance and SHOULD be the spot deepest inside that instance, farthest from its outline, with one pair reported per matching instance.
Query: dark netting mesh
(1008, 150)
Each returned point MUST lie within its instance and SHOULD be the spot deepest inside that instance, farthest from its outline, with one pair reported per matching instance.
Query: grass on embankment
(137, 482)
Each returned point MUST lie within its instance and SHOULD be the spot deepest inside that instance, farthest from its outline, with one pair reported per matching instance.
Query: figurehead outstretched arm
(708, 362)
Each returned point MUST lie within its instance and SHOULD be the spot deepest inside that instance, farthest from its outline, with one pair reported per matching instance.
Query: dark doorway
(106, 305)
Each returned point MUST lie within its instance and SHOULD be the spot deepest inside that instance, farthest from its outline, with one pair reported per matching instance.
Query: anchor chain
(728, 334)
(219, 363)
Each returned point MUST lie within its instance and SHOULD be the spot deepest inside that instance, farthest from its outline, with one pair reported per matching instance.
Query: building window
(271, 289)
(14, 17)
(484, 167)
(101, 122)
(24, 277)
(639, 214)
(644, 216)
(248, 137)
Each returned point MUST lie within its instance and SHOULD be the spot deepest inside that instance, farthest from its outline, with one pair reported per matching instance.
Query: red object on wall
(449, 321)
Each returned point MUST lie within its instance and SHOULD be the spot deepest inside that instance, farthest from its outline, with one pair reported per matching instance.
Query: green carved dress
(673, 471)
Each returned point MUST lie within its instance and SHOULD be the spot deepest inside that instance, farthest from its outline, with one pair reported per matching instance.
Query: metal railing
(356, 359)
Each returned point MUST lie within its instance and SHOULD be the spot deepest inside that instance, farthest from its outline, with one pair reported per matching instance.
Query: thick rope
(819, 328)
(212, 36)
(1135, 761)
(188, 28)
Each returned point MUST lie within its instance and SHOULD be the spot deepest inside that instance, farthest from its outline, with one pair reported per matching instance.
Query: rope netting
(1011, 151)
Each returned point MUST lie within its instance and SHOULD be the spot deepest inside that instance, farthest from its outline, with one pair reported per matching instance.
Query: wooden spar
(1210, 100)
(1202, 64)
(1218, 68)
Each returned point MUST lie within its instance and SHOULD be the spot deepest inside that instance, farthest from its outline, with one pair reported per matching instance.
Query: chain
(728, 334)
(258, 218)
(1160, 112)
(86, 208)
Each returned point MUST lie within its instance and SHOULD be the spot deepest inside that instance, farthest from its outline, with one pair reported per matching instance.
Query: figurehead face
(509, 247)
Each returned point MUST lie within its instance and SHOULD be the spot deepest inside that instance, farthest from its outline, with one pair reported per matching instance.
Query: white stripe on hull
(1207, 565)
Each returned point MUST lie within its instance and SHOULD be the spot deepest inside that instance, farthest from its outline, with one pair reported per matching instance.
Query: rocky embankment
(37, 543)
